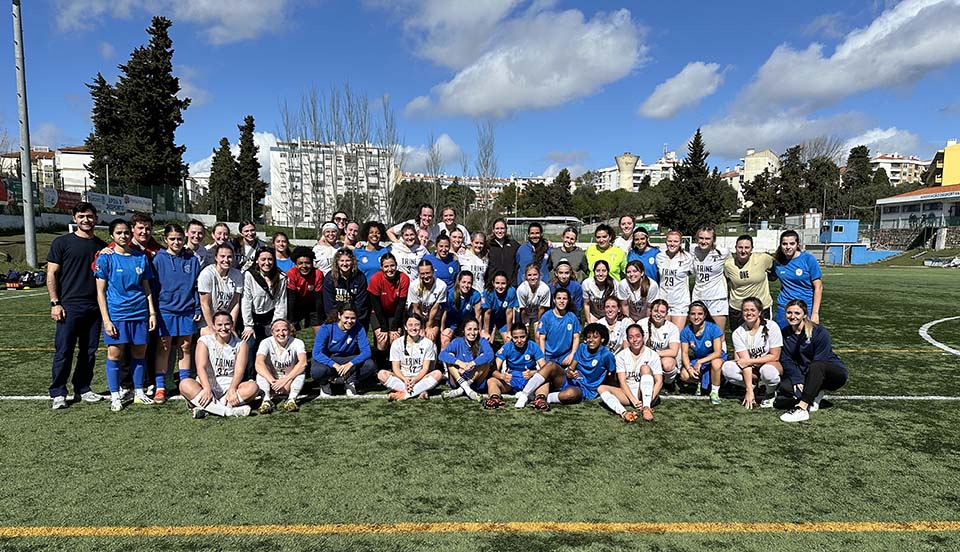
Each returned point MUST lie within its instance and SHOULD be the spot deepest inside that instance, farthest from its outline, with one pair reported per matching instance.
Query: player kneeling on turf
(281, 365)
(219, 388)
(468, 361)
(757, 343)
(579, 381)
(639, 378)
(517, 361)
(413, 359)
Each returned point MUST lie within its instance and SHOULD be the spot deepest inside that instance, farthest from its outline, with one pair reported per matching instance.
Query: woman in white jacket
(264, 297)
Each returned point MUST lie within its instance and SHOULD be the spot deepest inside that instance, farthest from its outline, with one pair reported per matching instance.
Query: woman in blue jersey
(468, 361)
(341, 351)
(645, 253)
(517, 361)
(444, 262)
(701, 350)
(558, 333)
(368, 255)
(463, 302)
(580, 380)
(179, 305)
(563, 279)
(281, 252)
(499, 306)
(799, 275)
(127, 308)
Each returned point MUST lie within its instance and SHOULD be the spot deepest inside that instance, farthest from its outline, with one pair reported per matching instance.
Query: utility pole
(26, 176)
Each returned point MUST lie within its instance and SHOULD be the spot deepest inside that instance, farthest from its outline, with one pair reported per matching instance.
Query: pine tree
(695, 165)
(789, 183)
(106, 132)
(223, 183)
(251, 188)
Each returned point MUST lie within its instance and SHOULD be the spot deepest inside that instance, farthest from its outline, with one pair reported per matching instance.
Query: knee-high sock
(670, 376)
(113, 375)
(732, 372)
(264, 386)
(296, 386)
(532, 384)
(138, 367)
(770, 378)
(646, 389)
(184, 373)
(613, 402)
(160, 380)
(464, 384)
(215, 407)
(393, 382)
(424, 384)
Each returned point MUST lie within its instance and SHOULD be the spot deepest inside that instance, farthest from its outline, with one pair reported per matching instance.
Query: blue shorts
(517, 381)
(556, 359)
(500, 323)
(588, 393)
(175, 325)
(133, 332)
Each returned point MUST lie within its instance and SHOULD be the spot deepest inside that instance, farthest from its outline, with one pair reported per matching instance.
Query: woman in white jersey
(413, 361)
(639, 378)
(615, 323)
(281, 367)
(220, 287)
(221, 359)
(326, 247)
(757, 343)
(710, 285)
(474, 259)
(426, 297)
(636, 291)
(408, 251)
(675, 266)
(533, 296)
(596, 289)
(663, 336)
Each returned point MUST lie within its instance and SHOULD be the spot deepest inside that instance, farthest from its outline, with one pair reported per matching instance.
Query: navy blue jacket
(799, 351)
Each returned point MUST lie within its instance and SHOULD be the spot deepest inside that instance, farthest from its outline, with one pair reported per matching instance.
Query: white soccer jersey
(710, 282)
(408, 259)
(469, 261)
(427, 297)
(411, 355)
(674, 274)
(221, 290)
(280, 359)
(635, 299)
(222, 357)
(755, 344)
(593, 296)
(531, 301)
(660, 338)
(618, 333)
(323, 257)
(629, 364)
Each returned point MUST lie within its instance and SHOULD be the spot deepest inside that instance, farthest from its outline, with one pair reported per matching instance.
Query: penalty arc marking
(925, 334)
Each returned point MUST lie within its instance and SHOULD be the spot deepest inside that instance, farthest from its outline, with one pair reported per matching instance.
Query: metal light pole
(26, 176)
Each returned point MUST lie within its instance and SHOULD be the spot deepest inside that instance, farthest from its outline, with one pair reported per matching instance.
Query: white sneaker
(767, 403)
(142, 398)
(351, 389)
(239, 411)
(90, 397)
(795, 414)
(816, 402)
(151, 389)
(522, 399)
(125, 393)
(59, 403)
(325, 391)
(116, 405)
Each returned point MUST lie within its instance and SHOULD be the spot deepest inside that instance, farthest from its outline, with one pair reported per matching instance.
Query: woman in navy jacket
(346, 284)
(809, 362)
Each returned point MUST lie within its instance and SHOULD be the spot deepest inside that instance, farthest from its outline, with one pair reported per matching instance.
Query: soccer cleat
(540, 403)
(59, 403)
(452, 394)
(768, 402)
(266, 407)
(239, 411)
(647, 414)
(795, 414)
(151, 389)
(522, 399)
(629, 417)
(494, 402)
(326, 391)
(198, 413)
(160, 396)
(815, 405)
(116, 405)
(714, 398)
(397, 396)
(89, 397)
(142, 398)
(125, 393)
(351, 389)
(289, 405)
(423, 396)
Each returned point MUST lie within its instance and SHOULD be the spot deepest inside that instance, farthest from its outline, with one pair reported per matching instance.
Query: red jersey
(387, 292)
(304, 287)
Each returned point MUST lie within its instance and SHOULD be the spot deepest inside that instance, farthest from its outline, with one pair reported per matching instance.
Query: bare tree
(486, 165)
(389, 141)
(290, 130)
(824, 147)
(464, 164)
(434, 166)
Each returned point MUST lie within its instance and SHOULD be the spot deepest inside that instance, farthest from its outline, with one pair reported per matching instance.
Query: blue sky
(567, 83)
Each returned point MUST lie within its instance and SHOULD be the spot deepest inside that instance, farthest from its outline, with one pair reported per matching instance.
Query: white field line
(925, 333)
(23, 294)
(383, 396)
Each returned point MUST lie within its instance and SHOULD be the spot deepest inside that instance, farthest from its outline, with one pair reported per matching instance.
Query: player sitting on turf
(281, 367)
(757, 343)
(219, 388)
(592, 363)
(639, 378)
(413, 360)
(517, 361)
(468, 361)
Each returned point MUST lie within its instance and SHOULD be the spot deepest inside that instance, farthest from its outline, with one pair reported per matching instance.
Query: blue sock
(113, 375)
(138, 366)
(161, 381)
(184, 374)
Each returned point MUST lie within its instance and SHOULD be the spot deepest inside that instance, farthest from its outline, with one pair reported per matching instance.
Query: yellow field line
(491, 527)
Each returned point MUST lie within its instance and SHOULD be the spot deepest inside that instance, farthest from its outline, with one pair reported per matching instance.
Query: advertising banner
(105, 203)
(136, 203)
(59, 199)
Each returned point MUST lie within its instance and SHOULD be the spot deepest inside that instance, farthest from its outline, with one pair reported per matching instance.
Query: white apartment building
(198, 185)
(899, 169)
(62, 169)
(306, 177)
(485, 191)
(71, 162)
(608, 178)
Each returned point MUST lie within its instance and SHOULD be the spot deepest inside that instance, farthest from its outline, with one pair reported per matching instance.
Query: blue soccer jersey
(649, 260)
(516, 361)
(703, 345)
(576, 293)
(126, 298)
(559, 332)
(592, 368)
(368, 262)
(796, 279)
(457, 314)
(445, 269)
(498, 305)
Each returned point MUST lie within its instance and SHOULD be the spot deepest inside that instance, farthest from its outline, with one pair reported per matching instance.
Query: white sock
(264, 386)
(424, 384)
(646, 389)
(296, 386)
(531, 387)
(465, 385)
(138, 392)
(114, 395)
(215, 407)
(553, 397)
(770, 379)
(714, 389)
(393, 382)
(613, 402)
(670, 376)
(732, 372)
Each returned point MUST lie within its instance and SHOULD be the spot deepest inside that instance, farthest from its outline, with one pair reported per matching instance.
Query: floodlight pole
(26, 170)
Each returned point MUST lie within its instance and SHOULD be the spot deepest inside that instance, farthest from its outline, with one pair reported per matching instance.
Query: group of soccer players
(422, 303)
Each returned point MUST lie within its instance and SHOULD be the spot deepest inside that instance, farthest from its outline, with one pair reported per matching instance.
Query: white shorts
(678, 309)
(219, 386)
(717, 307)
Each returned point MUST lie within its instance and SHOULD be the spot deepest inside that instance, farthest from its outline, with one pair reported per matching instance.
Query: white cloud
(221, 22)
(829, 25)
(189, 87)
(263, 140)
(552, 170)
(415, 157)
(900, 46)
(48, 134)
(731, 136)
(107, 51)
(886, 140)
(696, 81)
(537, 59)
